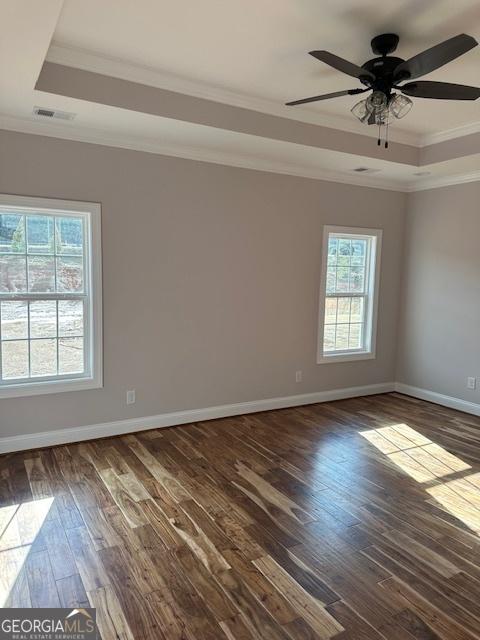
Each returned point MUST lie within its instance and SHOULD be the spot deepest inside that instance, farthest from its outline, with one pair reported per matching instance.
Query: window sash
(362, 322)
(5, 382)
(365, 296)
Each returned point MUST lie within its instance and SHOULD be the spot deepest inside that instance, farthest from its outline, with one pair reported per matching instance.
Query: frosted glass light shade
(400, 105)
(377, 101)
(361, 111)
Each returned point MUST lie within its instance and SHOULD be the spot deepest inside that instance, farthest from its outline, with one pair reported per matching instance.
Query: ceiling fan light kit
(385, 73)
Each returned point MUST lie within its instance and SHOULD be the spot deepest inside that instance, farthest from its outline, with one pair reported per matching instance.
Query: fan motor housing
(383, 69)
(384, 44)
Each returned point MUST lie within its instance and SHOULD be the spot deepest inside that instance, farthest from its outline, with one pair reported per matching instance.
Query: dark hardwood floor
(356, 520)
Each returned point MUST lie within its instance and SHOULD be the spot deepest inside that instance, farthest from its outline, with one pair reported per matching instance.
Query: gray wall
(211, 279)
(439, 336)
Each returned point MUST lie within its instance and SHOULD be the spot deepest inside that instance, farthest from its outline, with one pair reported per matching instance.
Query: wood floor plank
(41, 583)
(72, 592)
(87, 560)
(61, 558)
(205, 584)
(123, 498)
(306, 606)
(139, 615)
(110, 617)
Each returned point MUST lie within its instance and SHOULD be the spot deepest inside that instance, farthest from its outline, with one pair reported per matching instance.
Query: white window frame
(92, 378)
(373, 283)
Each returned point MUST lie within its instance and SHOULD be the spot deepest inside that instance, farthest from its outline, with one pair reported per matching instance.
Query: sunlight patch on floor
(426, 461)
(461, 498)
(415, 454)
(19, 528)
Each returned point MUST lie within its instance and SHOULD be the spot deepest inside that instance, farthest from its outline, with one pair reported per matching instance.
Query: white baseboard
(118, 427)
(439, 398)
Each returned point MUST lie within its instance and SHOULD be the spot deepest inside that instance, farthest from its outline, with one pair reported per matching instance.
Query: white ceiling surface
(258, 48)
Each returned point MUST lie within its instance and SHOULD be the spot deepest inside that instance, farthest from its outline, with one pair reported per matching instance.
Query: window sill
(26, 389)
(345, 357)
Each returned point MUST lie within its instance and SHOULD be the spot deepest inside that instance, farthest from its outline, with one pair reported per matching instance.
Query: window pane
(15, 359)
(330, 310)
(357, 310)
(331, 279)
(359, 248)
(41, 274)
(43, 319)
(70, 318)
(40, 234)
(12, 233)
(69, 236)
(70, 355)
(344, 252)
(355, 340)
(332, 251)
(43, 357)
(13, 274)
(341, 341)
(357, 279)
(69, 274)
(343, 279)
(14, 317)
(329, 338)
(343, 314)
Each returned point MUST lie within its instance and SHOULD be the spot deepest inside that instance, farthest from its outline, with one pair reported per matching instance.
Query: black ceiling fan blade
(435, 57)
(342, 65)
(440, 90)
(326, 96)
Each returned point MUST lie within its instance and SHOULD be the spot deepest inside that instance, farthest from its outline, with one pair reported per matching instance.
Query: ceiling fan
(384, 74)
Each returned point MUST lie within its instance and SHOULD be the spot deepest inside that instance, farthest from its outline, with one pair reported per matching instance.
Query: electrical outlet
(131, 396)
(298, 376)
(471, 383)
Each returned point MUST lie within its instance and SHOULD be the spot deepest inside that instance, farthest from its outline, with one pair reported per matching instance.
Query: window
(50, 296)
(348, 294)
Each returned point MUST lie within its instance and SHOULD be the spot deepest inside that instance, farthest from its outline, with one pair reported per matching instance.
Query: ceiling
(259, 48)
(250, 54)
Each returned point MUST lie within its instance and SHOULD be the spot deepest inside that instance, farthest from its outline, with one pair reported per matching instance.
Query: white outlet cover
(131, 396)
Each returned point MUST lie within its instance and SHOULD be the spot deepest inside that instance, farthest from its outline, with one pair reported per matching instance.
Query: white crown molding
(69, 131)
(98, 63)
(445, 181)
(439, 398)
(450, 134)
(24, 442)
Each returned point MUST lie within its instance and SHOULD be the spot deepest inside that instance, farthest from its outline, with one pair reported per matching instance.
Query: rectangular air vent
(366, 170)
(44, 112)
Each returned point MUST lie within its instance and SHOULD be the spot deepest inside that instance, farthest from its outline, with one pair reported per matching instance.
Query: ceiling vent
(366, 170)
(43, 112)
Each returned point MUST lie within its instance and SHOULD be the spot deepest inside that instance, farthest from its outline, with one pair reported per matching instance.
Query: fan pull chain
(386, 137)
(379, 141)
